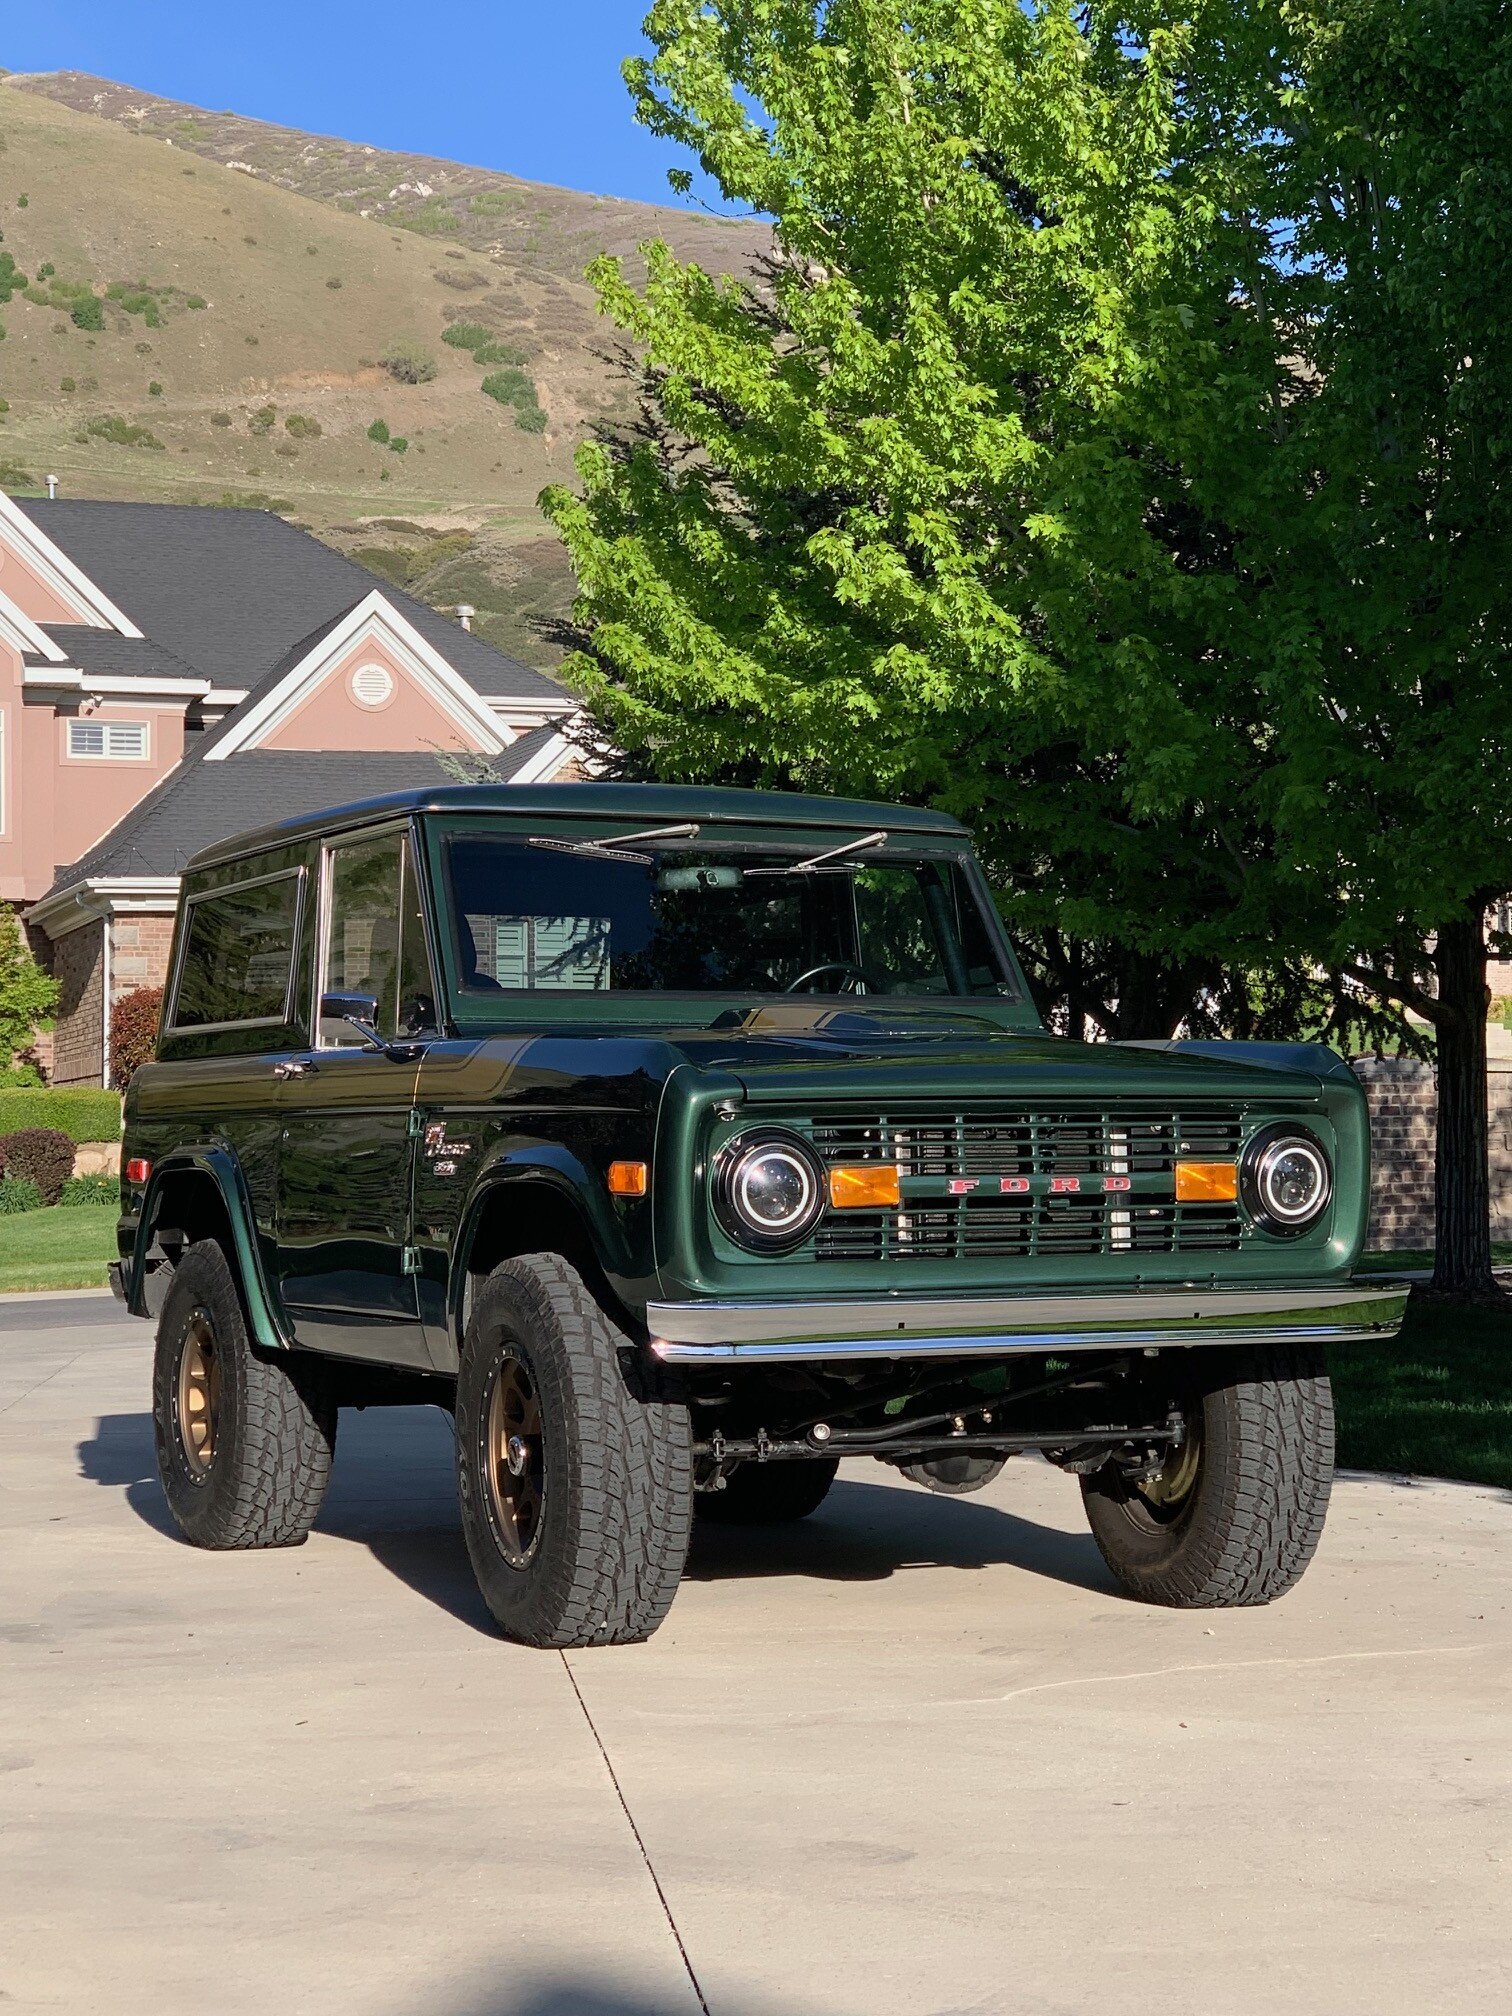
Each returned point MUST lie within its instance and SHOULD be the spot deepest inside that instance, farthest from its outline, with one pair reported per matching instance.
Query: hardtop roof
(641, 803)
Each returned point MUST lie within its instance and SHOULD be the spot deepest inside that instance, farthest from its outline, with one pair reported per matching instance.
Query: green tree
(27, 996)
(936, 507)
(1392, 571)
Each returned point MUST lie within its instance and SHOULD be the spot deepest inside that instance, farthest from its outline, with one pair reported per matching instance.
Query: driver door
(346, 1160)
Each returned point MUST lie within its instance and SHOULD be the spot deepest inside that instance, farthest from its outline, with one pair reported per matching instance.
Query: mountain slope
(196, 332)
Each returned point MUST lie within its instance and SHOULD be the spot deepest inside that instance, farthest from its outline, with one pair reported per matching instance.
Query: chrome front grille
(955, 1165)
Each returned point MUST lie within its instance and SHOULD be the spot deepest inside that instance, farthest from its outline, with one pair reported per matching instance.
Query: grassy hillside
(251, 314)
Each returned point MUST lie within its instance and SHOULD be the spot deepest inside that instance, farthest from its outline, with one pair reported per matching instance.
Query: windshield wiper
(613, 849)
(818, 861)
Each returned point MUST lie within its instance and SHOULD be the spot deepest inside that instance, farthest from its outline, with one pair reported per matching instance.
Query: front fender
(219, 1164)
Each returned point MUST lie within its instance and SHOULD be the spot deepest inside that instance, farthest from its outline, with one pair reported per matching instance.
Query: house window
(117, 741)
(372, 684)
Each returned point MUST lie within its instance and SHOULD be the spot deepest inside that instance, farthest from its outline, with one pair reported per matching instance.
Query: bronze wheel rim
(1167, 1494)
(513, 1461)
(199, 1394)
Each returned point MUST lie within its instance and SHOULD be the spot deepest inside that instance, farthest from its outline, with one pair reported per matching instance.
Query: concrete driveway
(914, 1755)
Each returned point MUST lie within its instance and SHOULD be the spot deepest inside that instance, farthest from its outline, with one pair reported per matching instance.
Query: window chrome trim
(175, 1028)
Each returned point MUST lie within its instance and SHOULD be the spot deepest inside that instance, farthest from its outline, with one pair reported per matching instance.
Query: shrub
(40, 1155)
(124, 433)
(97, 1189)
(220, 419)
(466, 335)
(250, 339)
(133, 1033)
(82, 1112)
(11, 281)
(530, 419)
(66, 385)
(16, 1194)
(509, 386)
(14, 477)
(398, 445)
(302, 427)
(334, 282)
(195, 301)
(410, 363)
(499, 353)
(88, 314)
(46, 270)
(463, 278)
(22, 202)
(378, 431)
(154, 388)
(262, 420)
(493, 202)
(27, 994)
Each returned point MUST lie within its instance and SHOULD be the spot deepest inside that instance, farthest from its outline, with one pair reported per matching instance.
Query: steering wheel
(846, 966)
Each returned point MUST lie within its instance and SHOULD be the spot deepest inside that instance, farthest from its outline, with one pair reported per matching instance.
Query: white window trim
(105, 754)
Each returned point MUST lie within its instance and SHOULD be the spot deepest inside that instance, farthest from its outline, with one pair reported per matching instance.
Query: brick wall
(1403, 1115)
(138, 953)
(77, 963)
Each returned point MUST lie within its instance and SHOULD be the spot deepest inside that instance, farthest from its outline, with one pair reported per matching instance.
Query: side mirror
(358, 1012)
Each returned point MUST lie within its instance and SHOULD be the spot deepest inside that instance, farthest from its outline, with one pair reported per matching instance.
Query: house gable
(371, 683)
(41, 580)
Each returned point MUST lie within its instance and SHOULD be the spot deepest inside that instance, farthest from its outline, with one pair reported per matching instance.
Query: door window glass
(375, 938)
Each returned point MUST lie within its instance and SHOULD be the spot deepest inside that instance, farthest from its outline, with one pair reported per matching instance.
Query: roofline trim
(64, 576)
(24, 635)
(542, 766)
(68, 678)
(436, 678)
(97, 896)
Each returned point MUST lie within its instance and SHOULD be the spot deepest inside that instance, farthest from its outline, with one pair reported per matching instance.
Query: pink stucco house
(171, 674)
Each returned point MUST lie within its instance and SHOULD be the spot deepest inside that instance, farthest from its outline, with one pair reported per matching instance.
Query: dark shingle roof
(108, 651)
(200, 803)
(228, 591)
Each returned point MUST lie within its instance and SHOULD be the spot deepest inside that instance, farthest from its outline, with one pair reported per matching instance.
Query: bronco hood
(807, 1055)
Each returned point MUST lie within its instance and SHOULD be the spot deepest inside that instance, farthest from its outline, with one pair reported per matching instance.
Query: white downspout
(105, 1001)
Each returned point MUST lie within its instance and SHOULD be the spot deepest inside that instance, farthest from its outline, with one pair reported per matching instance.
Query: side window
(238, 955)
(375, 937)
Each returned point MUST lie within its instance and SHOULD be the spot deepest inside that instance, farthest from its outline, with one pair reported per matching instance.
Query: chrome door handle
(296, 1067)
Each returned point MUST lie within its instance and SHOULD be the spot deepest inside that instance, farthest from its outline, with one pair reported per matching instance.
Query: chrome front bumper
(999, 1326)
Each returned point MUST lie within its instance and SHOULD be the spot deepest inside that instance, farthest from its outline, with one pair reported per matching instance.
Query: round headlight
(768, 1190)
(1286, 1179)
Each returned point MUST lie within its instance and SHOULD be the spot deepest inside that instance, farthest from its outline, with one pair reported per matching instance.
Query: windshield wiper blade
(613, 849)
(817, 861)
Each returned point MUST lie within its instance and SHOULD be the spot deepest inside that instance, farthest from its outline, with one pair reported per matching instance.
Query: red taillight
(138, 1169)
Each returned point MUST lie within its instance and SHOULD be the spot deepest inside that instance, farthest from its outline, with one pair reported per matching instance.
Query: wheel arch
(528, 1209)
(200, 1192)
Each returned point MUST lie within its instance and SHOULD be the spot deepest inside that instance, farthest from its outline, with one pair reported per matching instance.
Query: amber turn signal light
(1207, 1182)
(864, 1186)
(627, 1179)
(138, 1169)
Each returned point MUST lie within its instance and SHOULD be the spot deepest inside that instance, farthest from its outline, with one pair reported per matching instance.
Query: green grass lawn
(1418, 1261)
(62, 1248)
(1436, 1401)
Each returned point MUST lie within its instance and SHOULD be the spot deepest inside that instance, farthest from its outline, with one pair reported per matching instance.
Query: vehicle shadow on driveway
(866, 1532)
(392, 1492)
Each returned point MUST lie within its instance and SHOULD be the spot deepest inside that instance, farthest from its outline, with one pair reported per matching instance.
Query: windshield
(680, 917)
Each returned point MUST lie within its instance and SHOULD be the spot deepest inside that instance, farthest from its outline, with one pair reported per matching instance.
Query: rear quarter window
(237, 964)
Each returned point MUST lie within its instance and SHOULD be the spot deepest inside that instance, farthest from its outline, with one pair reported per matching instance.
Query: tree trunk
(1461, 1178)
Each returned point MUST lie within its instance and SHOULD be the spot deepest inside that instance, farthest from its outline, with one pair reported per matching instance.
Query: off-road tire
(616, 1463)
(275, 1431)
(1253, 1517)
(769, 1494)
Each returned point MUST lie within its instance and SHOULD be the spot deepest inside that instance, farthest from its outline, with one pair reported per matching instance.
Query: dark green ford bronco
(681, 1143)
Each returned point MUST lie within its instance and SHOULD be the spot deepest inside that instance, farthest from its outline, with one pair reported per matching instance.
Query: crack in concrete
(619, 1794)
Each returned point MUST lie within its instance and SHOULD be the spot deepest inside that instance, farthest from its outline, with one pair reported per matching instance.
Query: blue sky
(514, 84)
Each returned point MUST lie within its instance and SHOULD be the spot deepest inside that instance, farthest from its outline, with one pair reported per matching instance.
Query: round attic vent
(372, 685)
